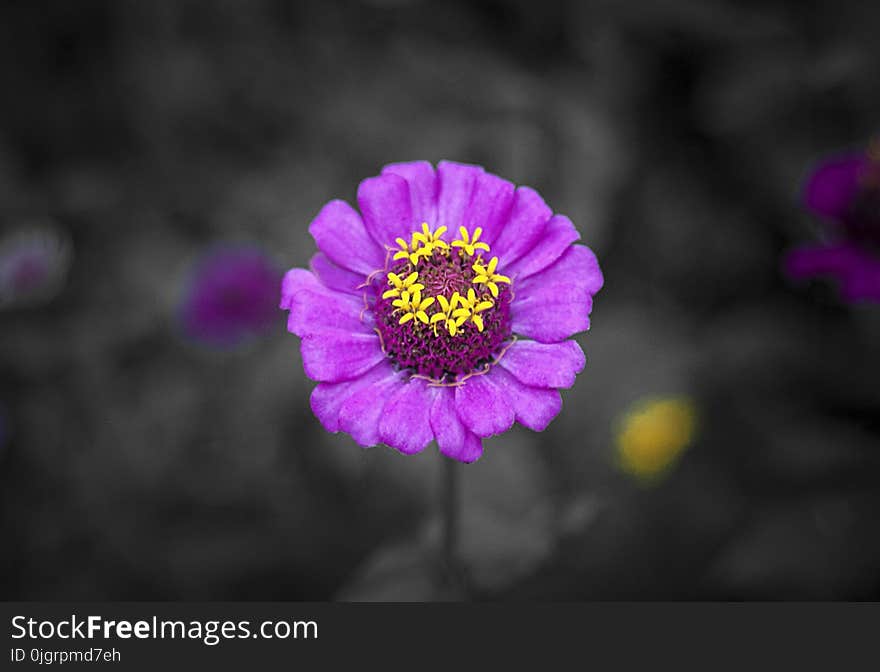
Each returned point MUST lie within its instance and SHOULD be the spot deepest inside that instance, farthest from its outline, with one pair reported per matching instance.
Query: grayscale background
(675, 135)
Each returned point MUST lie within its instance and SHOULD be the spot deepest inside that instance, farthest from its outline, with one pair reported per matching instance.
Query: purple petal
(455, 186)
(327, 398)
(293, 279)
(332, 356)
(862, 283)
(557, 237)
(422, 188)
(316, 309)
(385, 204)
(453, 438)
(528, 218)
(552, 305)
(489, 206)
(339, 233)
(577, 269)
(857, 272)
(570, 317)
(405, 422)
(533, 407)
(359, 414)
(483, 407)
(812, 260)
(544, 364)
(833, 184)
(335, 277)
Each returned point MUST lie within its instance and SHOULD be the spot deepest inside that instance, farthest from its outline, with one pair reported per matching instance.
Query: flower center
(441, 310)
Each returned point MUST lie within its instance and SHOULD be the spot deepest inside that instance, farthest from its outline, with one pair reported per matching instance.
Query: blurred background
(722, 442)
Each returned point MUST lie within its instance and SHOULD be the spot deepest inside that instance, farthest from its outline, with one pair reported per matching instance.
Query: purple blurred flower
(845, 192)
(232, 295)
(33, 264)
(442, 311)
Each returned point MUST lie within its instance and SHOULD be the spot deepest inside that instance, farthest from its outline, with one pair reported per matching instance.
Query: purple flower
(442, 311)
(233, 295)
(33, 265)
(845, 192)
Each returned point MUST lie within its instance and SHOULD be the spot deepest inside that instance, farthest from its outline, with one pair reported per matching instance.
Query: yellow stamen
(414, 305)
(468, 244)
(398, 285)
(444, 315)
(486, 275)
(410, 251)
(471, 308)
(430, 241)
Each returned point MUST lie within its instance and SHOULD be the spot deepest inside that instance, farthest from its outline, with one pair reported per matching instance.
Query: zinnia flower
(442, 311)
(653, 434)
(844, 191)
(232, 296)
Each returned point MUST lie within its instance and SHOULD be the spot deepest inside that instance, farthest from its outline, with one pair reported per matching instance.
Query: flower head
(653, 434)
(33, 265)
(845, 192)
(232, 295)
(426, 340)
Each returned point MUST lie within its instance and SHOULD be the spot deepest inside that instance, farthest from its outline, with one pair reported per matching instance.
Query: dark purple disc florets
(429, 349)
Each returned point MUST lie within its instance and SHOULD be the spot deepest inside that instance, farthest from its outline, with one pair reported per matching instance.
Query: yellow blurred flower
(653, 434)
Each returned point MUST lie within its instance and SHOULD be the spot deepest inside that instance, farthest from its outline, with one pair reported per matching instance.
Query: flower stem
(453, 572)
(450, 515)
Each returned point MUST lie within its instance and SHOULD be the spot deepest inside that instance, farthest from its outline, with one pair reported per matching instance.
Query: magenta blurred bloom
(442, 311)
(845, 192)
(232, 297)
(34, 262)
